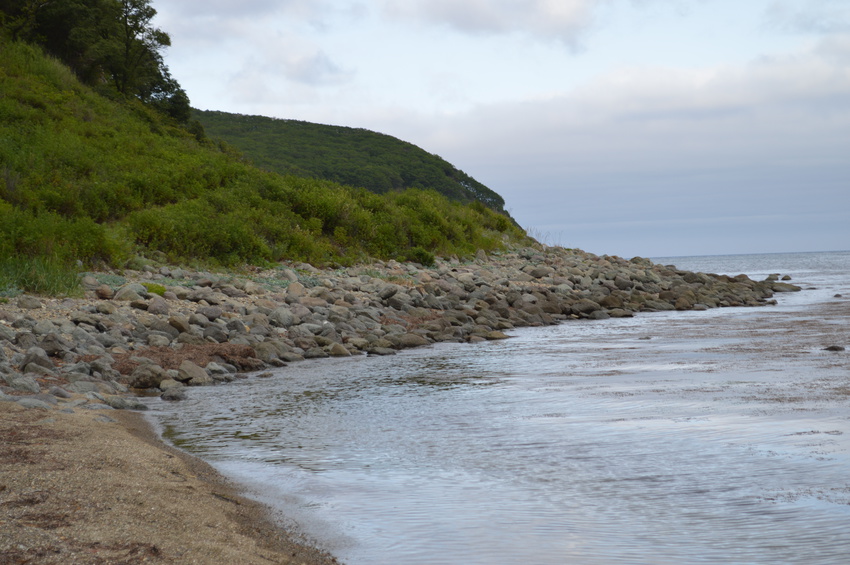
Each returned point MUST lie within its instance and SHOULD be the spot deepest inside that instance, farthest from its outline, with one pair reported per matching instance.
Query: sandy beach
(100, 487)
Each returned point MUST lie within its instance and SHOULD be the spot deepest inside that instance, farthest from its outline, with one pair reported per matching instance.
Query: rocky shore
(82, 481)
(163, 330)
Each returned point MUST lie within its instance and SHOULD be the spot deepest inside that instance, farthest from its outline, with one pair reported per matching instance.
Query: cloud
(561, 19)
(763, 140)
(809, 16)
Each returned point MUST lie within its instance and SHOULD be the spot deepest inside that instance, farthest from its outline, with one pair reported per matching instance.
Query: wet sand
(101, 487)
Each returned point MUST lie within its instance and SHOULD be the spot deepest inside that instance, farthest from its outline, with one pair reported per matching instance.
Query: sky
(651, 128)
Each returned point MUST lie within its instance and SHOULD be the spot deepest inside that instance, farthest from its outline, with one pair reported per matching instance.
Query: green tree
(109, 44)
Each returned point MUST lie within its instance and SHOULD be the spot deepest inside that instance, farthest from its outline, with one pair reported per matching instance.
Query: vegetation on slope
(350, 156)
(91, 179)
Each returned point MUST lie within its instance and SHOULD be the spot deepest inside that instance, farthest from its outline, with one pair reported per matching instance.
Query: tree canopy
(111, 45)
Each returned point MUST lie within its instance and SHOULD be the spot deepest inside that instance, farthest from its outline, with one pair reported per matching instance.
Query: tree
(108, 43)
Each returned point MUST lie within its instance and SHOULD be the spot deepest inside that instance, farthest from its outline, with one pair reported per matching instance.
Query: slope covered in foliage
(350, 156)
(95, 179)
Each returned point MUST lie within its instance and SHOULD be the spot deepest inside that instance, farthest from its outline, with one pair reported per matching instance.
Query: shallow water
(699, 437)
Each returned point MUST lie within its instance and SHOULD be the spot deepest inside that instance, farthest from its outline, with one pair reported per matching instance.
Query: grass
(39, 275)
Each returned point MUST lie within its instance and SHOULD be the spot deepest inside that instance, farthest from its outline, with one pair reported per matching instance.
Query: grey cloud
(753, 151)
(562, 19)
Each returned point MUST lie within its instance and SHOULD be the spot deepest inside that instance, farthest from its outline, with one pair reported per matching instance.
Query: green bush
(421, 256)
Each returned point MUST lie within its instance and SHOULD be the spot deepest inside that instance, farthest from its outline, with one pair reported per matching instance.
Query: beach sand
(97, 486)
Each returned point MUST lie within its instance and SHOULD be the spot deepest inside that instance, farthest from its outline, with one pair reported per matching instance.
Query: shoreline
(95, 488)
(70, 367)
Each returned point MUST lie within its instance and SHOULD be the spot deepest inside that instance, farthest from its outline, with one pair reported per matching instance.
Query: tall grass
(38, 275)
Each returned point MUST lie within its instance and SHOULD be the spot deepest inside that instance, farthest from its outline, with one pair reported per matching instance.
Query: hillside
(98, 180)
(351, 156)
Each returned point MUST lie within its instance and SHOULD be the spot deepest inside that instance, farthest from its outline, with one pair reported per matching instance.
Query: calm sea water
(676, 437)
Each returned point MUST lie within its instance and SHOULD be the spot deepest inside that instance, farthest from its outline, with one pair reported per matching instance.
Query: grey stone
(7, 334)
(338, 350)
(43, 327)
(59, 392)
(37, 356)
(29, 303)
(412, 340)
(157, 339)
(55, 344)
(212, 313)
(147, 375)
(124, 403)
(194, 375)
(180, 323)
(216, 333)
(158, 305)
(34, 403)
(130, 292)
(174, 394)
(170, 383)
(24, 383)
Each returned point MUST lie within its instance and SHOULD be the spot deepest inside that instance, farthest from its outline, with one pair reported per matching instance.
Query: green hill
(350, 156)
(97, 179)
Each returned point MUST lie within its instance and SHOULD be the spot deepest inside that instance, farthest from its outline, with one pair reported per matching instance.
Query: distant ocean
(714, 437)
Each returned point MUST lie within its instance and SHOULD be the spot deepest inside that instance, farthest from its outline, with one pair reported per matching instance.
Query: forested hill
(351, 156)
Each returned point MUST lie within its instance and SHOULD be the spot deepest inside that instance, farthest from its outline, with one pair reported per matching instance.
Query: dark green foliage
(355, 157)
(90, 179)
(110, 45)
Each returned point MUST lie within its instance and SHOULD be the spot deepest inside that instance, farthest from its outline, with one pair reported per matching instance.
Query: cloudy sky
(624, 127)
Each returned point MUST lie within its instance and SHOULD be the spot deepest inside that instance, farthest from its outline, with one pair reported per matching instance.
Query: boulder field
(163, 330)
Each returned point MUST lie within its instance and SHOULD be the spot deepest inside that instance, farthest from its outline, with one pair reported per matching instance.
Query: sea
(715, 437)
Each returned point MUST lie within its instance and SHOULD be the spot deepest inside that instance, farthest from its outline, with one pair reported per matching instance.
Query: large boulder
(193, 375)
(147, 375)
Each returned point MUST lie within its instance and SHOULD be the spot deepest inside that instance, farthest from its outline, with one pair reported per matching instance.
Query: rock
(413, 340)
(216, 333)
(585, 306)
(315, 353)
(147, 375)
(179, 323)
(541, 271)
(193, 374)
(7, 334)
(130, 292)
(34, 403)
(158, 340)
(168, 383)
(59, 392)
(295, 291)
(23, 383)
(29, 303)
(158, 306)
(254, 289)
(784, 287)
(54, 344)
(37, 356)
(123, 403)
(43, 327)
(834, 348)
(104, 292)
(496, 335)
(282, 317)
(388, 291)
(338, 350)
(174, 394)
(212, 313)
